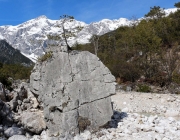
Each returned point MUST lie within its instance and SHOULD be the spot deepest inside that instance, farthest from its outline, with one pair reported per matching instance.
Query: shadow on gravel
(117, 117)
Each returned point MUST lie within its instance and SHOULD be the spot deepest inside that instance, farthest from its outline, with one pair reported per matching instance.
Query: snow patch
(1, 37)
(32, 57)
(170, 10)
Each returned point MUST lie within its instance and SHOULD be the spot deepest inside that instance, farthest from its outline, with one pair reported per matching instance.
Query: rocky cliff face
(74, 89)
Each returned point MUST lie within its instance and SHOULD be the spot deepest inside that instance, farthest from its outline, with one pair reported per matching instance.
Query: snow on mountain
(170, 10)
(1, 37)
(9, 55)
(31, 37)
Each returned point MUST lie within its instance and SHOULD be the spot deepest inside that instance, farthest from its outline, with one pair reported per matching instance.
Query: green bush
(45, 57)
(143, 88)
(15, 71)
(5, 81)
(176, 77)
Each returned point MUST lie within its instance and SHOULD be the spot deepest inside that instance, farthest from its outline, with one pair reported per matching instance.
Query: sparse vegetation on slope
(15, 71)
(45, 57)
(13, 64)
(12, 56)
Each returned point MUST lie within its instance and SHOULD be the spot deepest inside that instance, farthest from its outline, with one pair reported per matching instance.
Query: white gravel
(147, 116)
(138, 116)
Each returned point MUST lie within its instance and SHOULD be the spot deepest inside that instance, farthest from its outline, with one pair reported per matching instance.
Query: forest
(10, 72)
(147, 51)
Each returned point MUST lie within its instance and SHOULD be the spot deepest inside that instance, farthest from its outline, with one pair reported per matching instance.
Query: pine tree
(177, 4)
(155, 12)
(65, 19)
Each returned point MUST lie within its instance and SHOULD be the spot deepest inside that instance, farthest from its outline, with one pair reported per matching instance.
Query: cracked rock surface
(74, 89)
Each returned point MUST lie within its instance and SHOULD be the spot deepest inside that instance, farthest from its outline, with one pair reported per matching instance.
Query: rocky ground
(137, 116)
(146, 116)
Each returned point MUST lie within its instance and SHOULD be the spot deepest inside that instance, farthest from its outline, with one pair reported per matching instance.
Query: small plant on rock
(45, 57)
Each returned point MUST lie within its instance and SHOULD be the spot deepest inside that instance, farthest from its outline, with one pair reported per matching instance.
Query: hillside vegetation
(13, 64)
(148, 50)
(11, 55)
(15, 71)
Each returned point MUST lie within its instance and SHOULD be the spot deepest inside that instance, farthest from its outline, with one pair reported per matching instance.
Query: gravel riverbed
(141, 116)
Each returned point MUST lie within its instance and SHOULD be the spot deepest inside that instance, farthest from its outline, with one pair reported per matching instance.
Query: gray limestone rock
(33, 121)
(75, 90)
(18, 137)
(13, 131)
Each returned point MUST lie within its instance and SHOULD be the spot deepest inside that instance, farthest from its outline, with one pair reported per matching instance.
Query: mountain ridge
(12, 56)
(31, 37)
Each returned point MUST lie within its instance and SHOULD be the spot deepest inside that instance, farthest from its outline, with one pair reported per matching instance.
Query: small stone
(158, 96)
(124, 103)
(1, 128)
(19, 102)
(127, 131)
(172, 99)
(158, 137)
(171, 119)
(165, 138)
(35, 103)
(159, 130)
(125, 109)
(26, 100)
(131, 97)
(162, 100)
(172, 113)
(146, 128)
(150, 97)
(33, 121)
(18, 137)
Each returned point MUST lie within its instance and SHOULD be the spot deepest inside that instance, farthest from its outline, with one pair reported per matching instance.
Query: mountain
(31, 37)
(9, 55)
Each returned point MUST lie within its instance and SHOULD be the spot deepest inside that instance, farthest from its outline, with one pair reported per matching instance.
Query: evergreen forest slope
(148, 50)
(13, 64)
(9, 55)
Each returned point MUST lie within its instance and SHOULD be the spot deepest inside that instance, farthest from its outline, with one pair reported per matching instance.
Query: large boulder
(74, 89)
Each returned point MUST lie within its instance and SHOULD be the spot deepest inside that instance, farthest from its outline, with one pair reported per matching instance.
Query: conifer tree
(65, 19)
(177, 4)
(155, 12)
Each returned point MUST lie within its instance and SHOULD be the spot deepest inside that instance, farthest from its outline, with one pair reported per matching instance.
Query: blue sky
(14, 12)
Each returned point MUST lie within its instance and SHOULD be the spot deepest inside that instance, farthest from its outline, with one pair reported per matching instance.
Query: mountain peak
(42, 17)
(31, 37)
